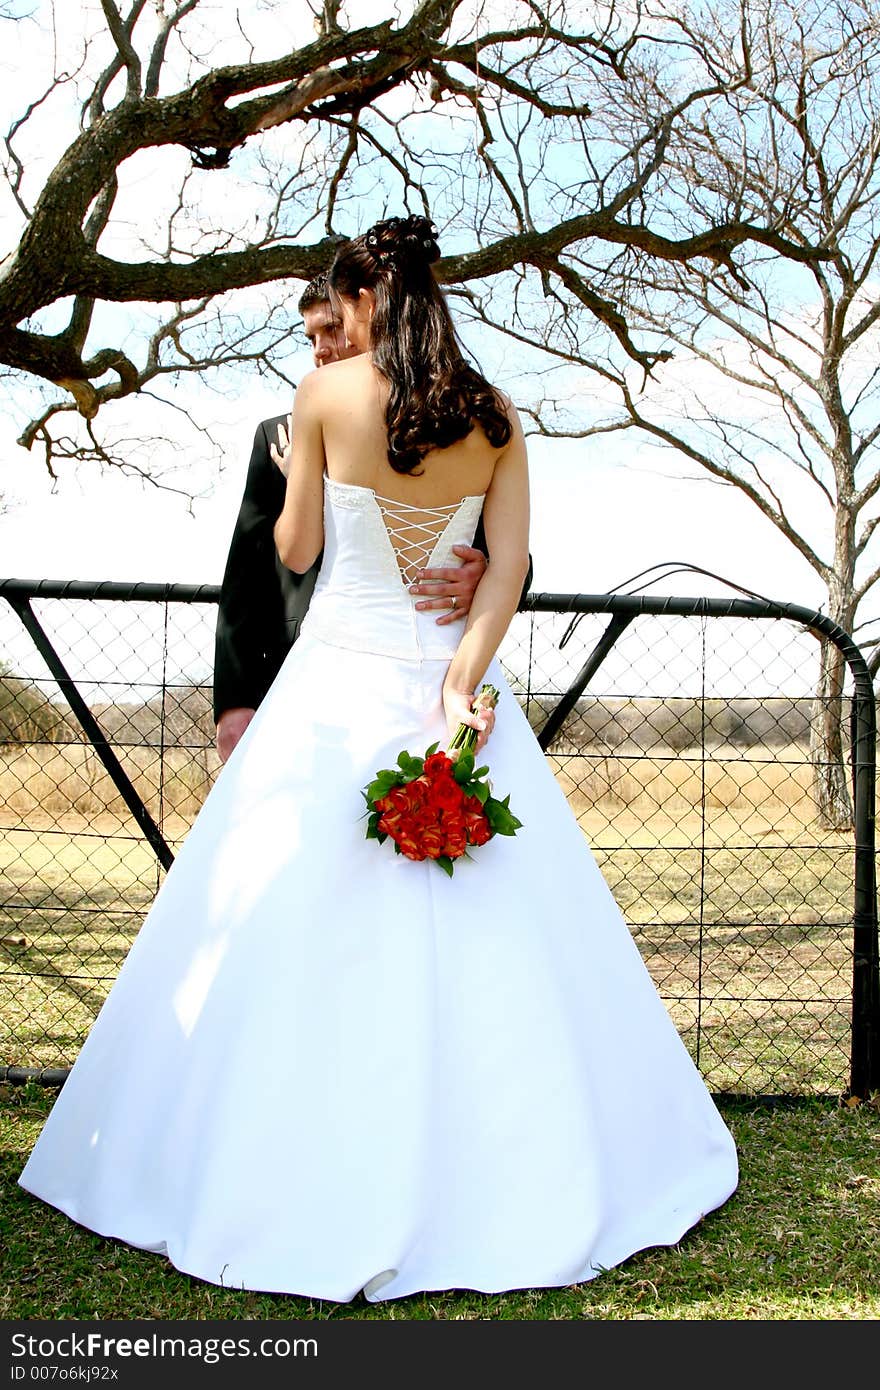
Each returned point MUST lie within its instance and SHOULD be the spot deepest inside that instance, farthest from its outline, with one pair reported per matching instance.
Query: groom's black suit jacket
(262, 603)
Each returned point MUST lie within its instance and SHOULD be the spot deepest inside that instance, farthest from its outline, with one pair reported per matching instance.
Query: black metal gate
(759, 926)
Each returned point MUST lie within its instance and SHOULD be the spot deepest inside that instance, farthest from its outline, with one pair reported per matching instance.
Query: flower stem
(465, 736)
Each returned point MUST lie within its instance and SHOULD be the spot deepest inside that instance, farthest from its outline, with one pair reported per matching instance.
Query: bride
(325, 1069)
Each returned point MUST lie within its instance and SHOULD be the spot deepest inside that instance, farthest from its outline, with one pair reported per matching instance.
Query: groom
(262, 603)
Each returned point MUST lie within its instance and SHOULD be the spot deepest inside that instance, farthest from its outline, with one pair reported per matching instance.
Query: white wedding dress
(325, 1069)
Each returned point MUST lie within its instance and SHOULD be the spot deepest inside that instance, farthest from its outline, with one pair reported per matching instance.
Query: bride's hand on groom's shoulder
(457, 706)
(280, 452)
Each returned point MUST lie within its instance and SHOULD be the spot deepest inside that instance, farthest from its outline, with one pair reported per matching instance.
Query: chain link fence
(679, 730)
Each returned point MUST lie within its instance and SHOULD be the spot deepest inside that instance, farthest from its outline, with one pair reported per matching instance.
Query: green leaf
(500, 818)
(432, 749)
(445, 864)
(410, 766)
(383, 783)
(507, 829)
(463, 766)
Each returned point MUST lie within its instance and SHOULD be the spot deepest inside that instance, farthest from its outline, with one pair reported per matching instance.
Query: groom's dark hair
(436, 397)
(316, 292)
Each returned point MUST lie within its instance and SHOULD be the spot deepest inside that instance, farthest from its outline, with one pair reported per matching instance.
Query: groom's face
(324, 331)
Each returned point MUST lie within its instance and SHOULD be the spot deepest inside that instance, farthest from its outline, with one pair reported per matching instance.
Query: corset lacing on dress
(414, 551)
(373, 547)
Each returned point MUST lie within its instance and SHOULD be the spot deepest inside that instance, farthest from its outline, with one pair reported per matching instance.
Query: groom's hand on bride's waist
(450, 590)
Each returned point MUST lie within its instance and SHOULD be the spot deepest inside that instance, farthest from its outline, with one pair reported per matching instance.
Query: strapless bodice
(361, 598)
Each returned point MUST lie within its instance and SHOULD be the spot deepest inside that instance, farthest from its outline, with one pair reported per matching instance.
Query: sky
(599, 517)
(603, 509)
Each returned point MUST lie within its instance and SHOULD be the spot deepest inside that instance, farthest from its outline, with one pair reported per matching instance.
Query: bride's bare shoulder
(347, 370)
(342, 380)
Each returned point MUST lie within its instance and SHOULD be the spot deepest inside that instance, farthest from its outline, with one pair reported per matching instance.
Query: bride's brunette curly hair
(436, 398)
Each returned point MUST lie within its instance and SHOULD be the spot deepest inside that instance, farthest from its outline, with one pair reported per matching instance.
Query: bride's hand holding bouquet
(473, 711)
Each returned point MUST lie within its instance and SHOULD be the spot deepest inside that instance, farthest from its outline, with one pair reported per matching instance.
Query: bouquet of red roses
(437, 806)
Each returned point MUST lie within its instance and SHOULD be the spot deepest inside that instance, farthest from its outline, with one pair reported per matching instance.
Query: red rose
(433, 843)
(410, 847)
(448, 797)
(418, 792)
(438, 765)
(479, 830)
(456, 841)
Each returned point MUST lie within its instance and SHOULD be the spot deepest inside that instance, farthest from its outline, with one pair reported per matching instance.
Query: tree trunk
(831, 780)
(831, 776)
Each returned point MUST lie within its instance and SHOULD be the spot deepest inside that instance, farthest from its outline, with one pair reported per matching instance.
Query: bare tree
(765, 373)
(263, 151)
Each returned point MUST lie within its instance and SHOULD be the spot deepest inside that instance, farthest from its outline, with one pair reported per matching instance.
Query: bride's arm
(299, 530)
(497, 596)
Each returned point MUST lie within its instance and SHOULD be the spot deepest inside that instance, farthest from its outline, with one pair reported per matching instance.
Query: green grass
(799, 1239)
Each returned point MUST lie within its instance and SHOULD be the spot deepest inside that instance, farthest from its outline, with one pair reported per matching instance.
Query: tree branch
(122, 31)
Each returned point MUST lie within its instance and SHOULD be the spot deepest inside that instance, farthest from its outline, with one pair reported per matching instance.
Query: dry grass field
(740, 903)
